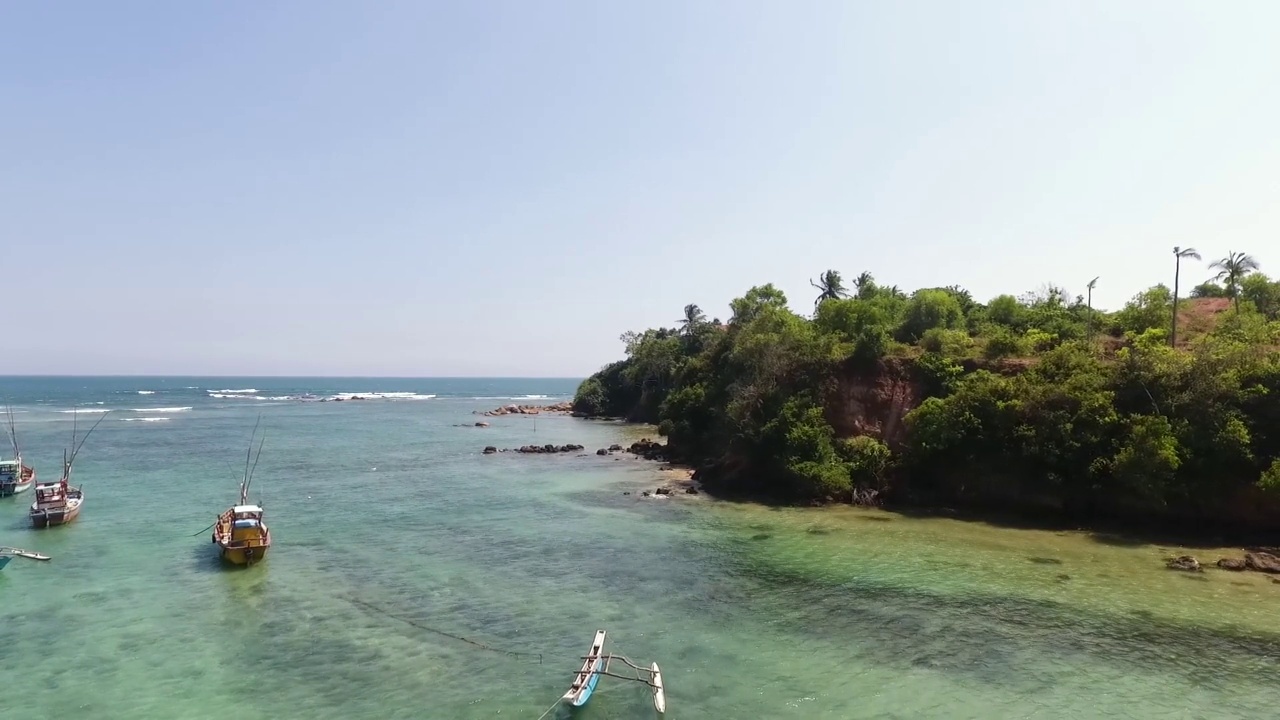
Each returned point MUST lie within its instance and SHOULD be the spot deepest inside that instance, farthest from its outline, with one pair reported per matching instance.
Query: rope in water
(554, 705)
(420, 626)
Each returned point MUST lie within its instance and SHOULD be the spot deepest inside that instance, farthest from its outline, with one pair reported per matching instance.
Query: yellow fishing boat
(240, 533)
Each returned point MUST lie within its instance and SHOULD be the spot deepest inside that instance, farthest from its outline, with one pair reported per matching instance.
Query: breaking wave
(83, 411)
(239, 396)
(245, 391)
(146, 392)
(380, 396)
(162, 410)
(146, 419)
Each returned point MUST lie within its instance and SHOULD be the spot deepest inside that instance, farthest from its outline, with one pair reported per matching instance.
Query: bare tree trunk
(1177, 268)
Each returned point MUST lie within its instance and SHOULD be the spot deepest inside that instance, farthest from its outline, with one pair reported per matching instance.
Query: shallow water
(395, 536)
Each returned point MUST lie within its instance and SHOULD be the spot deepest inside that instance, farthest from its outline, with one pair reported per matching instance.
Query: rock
(1184, 562)
(1232, 564)
(615, 448)
(1262, 562)
(645, 493)
(648, 449)
(602, 451)
(626, 493)
(482, 424)
(489, 450)
(662, 491)
(691, 491)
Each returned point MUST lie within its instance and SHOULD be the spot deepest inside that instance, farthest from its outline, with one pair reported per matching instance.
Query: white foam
(162, 410)
(86, 410)
(380, 396)
(146, 392)
(534, 397)
(245, 391)
(224, 396)
(147, 419)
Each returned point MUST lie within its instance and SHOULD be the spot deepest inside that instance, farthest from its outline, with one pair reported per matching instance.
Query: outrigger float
(596, 663)
(9, 553)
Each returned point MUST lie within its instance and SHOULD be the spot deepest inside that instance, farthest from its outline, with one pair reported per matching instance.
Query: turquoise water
(394, 535)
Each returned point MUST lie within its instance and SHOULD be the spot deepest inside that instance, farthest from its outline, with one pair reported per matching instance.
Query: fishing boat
(56, 503)
(14, 476)
(584, 683)
(59, 503)
(240, 533)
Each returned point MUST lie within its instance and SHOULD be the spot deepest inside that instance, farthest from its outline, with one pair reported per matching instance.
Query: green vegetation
(1031, 402)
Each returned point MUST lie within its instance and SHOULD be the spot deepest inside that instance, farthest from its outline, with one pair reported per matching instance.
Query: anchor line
(420, 626)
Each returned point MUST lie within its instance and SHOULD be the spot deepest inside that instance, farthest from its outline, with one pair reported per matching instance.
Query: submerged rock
(482, 424)
(1232, 564)
(489, 450)
(602, 451)
(1184, 562)
(1262, 562)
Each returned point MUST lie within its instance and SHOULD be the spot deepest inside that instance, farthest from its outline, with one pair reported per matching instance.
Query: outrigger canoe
(584, 683)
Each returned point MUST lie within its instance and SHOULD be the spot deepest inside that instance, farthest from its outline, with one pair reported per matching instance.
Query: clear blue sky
(502, 188)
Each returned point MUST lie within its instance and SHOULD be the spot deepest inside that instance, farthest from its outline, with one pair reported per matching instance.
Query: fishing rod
(244, 483)
(13, 430)
(257, 457)
(76, 452)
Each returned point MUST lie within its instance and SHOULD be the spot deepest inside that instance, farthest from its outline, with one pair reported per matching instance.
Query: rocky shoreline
(561, 408)
(1263, 560)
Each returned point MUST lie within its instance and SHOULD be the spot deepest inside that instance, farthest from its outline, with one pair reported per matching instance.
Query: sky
(503, 188)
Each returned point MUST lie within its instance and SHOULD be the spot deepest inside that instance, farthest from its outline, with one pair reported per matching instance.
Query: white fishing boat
(15, 477)
(59, 503)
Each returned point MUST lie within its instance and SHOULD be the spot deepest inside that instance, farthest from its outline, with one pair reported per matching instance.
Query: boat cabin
(9, 471)
(50, 496)
(242, 525)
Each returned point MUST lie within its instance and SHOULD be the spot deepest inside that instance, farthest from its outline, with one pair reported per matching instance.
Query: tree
(693, 319)
(930, 309)
(1263, 293)
(757, 299)
(1208, 289)
(1232, 270)
(831, 286)
(1178, 254)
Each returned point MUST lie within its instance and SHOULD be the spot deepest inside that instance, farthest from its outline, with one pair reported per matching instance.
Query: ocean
(414, 577)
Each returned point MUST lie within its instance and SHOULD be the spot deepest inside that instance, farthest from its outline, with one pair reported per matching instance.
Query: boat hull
(584, 683)
(243, 555)
(4, 560)
(15, 486)
(49, 517)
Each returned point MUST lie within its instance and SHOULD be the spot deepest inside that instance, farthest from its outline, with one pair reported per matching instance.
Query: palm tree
(1178, 254)
(865, 284)
(831, 285)
(693, 319)
(1232, 269)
